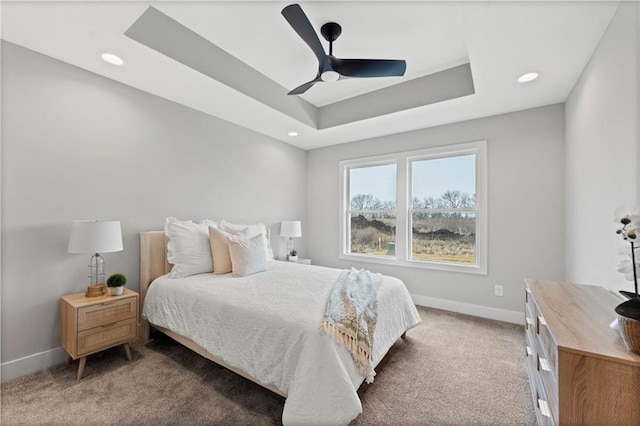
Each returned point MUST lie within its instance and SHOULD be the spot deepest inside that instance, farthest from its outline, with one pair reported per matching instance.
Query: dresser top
(578, 317)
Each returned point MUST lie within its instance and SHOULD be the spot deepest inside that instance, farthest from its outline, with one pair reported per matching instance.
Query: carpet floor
(453, 369)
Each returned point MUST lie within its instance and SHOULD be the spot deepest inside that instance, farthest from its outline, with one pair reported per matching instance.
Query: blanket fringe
(358, 348)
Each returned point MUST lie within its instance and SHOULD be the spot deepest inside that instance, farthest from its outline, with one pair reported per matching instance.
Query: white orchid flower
(624, 267)
(624, 251)
(629, 218)
(626, 212)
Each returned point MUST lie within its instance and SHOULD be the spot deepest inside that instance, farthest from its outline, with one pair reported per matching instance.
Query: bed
(265, 327)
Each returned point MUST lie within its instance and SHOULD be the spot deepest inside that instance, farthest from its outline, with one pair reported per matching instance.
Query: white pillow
(251, 231)
(248, 256)
(188, 248)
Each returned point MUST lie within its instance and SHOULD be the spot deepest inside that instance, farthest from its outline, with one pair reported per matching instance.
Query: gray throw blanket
(351, 314)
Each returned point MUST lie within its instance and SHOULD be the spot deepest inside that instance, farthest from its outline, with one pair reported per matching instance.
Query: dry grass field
(377, 237)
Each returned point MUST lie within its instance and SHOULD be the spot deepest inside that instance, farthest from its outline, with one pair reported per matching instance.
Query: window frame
(404, 206)
(348, 210)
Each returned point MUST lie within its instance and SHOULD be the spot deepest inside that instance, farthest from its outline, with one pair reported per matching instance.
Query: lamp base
(96, 290)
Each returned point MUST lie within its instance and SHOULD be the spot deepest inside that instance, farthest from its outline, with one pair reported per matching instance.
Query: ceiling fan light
(330, 76)
(530, 76)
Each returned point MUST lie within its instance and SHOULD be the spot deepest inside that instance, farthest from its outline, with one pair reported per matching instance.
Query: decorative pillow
(220, 248)
(251, 230)
(188, 249)
(248, 256)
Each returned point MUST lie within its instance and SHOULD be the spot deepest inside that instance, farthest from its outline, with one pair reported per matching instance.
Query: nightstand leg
(69, 360)
(83, 362)
(127, 351)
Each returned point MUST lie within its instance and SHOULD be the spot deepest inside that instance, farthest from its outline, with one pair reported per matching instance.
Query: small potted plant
(116, 283)
(293, 255)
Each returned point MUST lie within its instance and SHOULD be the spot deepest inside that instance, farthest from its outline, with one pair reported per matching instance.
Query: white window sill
(420, 264)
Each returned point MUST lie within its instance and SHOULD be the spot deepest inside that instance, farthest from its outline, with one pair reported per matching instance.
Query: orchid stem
(633, 266)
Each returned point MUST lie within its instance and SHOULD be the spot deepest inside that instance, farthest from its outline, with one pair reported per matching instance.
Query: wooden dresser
(579, 369)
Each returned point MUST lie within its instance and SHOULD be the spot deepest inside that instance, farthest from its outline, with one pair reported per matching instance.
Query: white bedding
(267, 325)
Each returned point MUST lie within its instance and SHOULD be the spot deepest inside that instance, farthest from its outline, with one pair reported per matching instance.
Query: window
(423, 208)
(442, 213)
(372, 210)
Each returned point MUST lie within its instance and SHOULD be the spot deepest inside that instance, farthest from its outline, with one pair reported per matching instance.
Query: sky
(431, 178)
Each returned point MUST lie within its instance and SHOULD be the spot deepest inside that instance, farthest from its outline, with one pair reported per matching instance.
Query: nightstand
(93, 324)
(302, 260)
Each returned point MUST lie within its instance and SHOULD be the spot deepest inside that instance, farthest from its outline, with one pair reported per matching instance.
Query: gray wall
(602, 149)
(79, 146)
(526, 208)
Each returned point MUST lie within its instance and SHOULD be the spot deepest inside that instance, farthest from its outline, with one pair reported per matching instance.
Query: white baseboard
(514, 317)
(32, 363)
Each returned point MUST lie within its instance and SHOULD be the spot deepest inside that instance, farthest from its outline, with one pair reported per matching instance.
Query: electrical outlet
(498, 290)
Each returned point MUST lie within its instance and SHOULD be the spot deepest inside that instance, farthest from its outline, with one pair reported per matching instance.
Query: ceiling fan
(331, 68)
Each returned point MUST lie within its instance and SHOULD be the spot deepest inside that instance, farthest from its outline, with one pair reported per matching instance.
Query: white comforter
(267, 325)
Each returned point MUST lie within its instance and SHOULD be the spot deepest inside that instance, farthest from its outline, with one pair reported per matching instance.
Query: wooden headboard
(153, 264)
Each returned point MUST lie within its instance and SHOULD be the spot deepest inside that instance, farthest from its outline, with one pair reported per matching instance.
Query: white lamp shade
(94, 236)
(291, 229)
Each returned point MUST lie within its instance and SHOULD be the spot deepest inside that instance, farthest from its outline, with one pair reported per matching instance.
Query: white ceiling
(501, 40)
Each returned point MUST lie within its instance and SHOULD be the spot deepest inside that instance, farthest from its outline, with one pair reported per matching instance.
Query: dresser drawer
(547, 343)
(530, 323)
(105, 336)
(529, 318)
(106, 313)
(530, 348)
(529, 303)
(544, 415)
(549, 383)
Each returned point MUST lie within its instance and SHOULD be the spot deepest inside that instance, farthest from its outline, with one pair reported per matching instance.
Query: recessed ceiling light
(293, 133)
(530, 76)
(111, 58)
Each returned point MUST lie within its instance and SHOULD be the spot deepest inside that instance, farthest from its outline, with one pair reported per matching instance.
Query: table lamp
(95, 236)
(291, 229)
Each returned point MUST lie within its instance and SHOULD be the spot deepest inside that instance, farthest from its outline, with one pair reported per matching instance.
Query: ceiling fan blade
(369, 67)
(304, 87)
(301, 25)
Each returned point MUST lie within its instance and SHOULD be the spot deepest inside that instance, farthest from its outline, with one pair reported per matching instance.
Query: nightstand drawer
(106, 313)
(107, 335)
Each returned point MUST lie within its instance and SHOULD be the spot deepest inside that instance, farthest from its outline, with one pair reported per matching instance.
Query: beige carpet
(453, 369)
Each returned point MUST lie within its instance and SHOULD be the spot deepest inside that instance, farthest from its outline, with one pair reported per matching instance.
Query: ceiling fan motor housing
(331, 31)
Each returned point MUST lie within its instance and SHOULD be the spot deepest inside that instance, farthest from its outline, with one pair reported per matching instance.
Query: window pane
(373, 234)
(444, 237)
(444, 183)
(372, 187)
